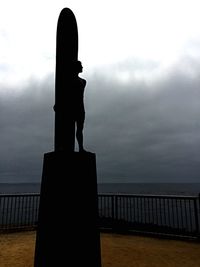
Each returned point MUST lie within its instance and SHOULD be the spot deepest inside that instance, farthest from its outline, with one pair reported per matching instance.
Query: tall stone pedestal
(67, 233)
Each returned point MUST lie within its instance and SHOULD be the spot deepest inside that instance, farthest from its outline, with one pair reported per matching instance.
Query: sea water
(188, 189)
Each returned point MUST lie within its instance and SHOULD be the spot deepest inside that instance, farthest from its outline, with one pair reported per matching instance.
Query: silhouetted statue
(78, 105)
(69, 87)
(66, 171)
(73, 111)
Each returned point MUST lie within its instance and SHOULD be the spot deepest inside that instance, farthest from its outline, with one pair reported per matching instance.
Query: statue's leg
(79, 134)
(70, 136)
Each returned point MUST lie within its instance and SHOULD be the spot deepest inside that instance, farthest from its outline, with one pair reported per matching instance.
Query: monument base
(68, 233)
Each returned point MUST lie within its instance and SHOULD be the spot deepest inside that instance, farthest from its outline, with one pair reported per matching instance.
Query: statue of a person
(78, 104)
(71, 112)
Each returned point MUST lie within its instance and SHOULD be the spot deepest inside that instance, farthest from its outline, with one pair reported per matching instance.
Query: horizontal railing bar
(113, 194)
(149, 196)
(20, 195)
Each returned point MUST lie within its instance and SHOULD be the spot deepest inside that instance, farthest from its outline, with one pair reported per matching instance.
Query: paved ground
(17, 250)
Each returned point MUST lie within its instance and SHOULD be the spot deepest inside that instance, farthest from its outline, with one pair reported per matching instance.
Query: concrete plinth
(68, 233)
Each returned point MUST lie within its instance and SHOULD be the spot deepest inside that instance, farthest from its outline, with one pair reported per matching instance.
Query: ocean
(188, 189)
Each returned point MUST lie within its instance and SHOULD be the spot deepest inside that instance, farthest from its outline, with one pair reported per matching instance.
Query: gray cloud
(144, 135)
(26, 130)
(139, 131)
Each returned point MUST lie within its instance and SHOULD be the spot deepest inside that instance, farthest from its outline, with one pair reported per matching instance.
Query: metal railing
(177, 215)
(18, 211)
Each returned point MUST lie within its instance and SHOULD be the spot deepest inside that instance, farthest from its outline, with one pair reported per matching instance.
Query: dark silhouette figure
(64, 164)
(71, 111)
(78, 104)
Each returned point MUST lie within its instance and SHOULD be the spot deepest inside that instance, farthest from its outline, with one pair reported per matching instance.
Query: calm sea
(192, 189)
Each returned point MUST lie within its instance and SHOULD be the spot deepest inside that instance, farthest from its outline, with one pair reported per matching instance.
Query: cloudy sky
(142, 64)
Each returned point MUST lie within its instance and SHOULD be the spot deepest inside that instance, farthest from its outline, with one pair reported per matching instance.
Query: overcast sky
(141, 61)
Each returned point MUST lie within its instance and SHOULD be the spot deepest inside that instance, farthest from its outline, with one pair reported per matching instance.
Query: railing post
(116, 207)
(196, 216)
(113, 207)
(199, 203)
(115, 212)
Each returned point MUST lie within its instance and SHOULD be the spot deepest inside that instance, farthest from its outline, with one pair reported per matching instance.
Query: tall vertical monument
(66, 58)
(67, 232)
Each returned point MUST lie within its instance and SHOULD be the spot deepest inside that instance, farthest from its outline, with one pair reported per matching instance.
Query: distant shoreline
(130, 188)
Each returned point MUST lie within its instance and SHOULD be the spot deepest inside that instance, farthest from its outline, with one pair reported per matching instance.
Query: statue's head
(78, 66)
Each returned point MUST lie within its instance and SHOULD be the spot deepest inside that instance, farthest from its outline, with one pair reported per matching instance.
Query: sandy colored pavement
(17, 250)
